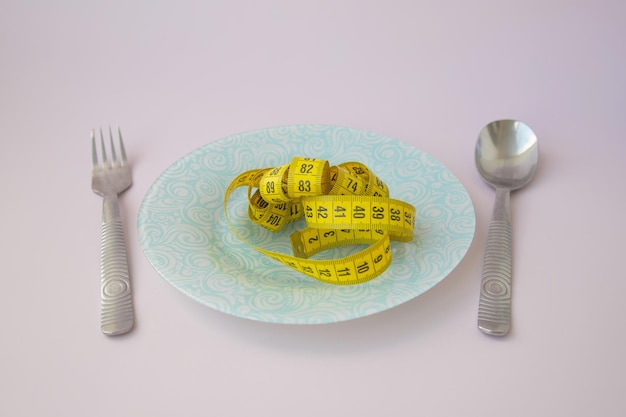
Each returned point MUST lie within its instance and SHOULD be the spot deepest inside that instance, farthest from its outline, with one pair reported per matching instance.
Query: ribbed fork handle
(117, 316)
(494, 310)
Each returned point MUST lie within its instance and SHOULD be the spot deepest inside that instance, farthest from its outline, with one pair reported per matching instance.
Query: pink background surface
(177, 75)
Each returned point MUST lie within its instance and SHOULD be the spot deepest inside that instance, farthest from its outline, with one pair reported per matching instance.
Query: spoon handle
(494, 309)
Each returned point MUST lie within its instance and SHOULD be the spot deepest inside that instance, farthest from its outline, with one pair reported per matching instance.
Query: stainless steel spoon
(506, 156)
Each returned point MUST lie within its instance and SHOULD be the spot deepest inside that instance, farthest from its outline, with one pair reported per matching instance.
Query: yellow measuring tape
(342, 205)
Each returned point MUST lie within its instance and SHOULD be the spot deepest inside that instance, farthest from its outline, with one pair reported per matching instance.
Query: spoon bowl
(507, 153)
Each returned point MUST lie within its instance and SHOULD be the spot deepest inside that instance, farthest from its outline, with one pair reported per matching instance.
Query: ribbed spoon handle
(494, 310)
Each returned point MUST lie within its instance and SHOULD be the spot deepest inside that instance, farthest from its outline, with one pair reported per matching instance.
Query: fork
(109, 178)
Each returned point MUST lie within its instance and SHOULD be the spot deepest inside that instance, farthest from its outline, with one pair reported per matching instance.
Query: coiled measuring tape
(342, 205)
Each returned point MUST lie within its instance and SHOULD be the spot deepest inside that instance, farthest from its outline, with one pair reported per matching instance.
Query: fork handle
(117, 316)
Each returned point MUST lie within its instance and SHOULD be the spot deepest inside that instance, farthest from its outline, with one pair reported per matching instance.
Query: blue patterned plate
(186, 238)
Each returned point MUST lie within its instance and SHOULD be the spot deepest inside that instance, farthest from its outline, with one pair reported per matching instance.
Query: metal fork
(110, 178)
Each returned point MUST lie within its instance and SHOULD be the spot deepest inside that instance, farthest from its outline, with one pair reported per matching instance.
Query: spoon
(506, 157)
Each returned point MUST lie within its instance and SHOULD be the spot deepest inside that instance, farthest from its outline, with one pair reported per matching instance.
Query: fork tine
(113, 154)
(122, 149)
(94, 150)
(104, 151)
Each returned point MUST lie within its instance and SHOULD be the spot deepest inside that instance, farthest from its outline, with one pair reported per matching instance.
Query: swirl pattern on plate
(186, 238)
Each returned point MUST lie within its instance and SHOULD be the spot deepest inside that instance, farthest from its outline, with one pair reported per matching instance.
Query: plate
(184, 234)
